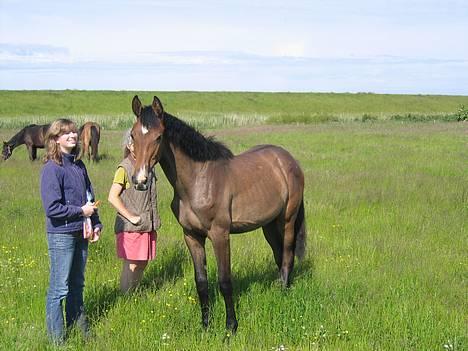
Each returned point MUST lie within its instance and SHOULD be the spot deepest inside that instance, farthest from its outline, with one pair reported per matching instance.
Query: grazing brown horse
(90, 133)
(217, 193)
(32, 136)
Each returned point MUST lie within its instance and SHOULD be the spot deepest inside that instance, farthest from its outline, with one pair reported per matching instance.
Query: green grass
(386, 207)
(112, 109)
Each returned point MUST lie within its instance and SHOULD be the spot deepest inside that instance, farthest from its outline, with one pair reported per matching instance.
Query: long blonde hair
(57, 128)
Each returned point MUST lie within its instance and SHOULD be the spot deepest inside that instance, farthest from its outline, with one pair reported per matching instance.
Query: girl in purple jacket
(65, 193)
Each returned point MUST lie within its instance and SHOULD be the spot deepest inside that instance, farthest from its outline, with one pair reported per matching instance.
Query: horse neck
(179, 169)
(17, 139)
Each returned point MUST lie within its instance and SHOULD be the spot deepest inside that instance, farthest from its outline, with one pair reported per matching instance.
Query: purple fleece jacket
(63, 192)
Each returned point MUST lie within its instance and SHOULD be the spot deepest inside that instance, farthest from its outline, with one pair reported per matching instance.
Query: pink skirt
(136, 246)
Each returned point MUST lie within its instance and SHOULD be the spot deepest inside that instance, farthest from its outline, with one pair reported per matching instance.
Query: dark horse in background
(32, 136)
(217, 193)
(89, 134)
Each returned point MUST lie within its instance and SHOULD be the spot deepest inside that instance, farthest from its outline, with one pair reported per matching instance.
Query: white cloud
(304, 44)
(11, 53)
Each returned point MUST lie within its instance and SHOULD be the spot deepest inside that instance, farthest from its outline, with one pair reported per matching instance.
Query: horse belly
(261, 187)
(255, 210)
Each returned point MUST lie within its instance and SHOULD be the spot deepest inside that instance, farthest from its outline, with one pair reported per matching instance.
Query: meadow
(386, 202)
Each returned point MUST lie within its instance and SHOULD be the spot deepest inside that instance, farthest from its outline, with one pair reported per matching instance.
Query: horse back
(35, 134)
(88, 132)
(264, 161)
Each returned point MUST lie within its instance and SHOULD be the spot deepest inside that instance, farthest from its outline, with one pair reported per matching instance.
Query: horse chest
(189, 220)
(194, 217)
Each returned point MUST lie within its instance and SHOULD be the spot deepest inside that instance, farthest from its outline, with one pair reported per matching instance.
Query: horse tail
(80, 131)
(300, 232)
(94, 135)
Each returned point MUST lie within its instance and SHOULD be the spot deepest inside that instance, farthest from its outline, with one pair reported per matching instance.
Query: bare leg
(132, 272)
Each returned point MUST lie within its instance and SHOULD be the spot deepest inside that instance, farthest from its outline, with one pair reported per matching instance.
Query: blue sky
(400, 46)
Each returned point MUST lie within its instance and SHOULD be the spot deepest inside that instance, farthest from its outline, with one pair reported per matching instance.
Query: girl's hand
(96, 235)
(135, 220)
(88, 209)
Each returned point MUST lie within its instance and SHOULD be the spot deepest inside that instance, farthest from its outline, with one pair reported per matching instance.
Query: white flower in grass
(165, 336)
(449, 346)
(279, 348)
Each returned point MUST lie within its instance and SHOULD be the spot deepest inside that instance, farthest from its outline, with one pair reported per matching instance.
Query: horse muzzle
(141, 186)
(140, 182)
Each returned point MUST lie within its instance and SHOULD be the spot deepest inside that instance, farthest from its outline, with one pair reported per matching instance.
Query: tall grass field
(386, 204)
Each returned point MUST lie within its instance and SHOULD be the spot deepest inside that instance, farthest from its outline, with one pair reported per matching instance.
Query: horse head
(7, 150)
(147, 135)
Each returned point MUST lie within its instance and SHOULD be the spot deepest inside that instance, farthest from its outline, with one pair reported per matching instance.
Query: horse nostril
(141, 186)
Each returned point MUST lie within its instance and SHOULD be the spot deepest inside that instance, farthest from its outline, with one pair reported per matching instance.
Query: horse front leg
(222, 250)
(196, 246)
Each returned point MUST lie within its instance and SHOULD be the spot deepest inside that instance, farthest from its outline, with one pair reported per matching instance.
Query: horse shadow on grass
(101, 299)
(267, 276)
(169, 267)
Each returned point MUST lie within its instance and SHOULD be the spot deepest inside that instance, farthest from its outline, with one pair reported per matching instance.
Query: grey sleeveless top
(140, 202)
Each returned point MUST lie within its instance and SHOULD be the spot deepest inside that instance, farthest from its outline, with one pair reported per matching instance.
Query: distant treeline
(220, 109)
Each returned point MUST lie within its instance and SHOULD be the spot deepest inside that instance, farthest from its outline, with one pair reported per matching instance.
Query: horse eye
(158, 139)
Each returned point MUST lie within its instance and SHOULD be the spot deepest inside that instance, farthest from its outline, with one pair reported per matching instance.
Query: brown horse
(217, 193)
(32, 136)
(90, 133)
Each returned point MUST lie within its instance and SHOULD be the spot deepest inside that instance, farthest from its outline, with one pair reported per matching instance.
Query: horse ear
(136, 106)
(157, 107)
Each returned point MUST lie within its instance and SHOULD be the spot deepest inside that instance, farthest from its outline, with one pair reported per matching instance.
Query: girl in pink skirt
(137, 219)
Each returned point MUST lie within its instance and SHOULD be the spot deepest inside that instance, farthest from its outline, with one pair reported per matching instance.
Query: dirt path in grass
(382, 127)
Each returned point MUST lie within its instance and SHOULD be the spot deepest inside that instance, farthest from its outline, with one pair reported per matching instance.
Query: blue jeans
(68, 254)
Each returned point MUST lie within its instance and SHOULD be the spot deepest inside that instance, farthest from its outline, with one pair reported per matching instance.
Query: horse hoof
(232, 327)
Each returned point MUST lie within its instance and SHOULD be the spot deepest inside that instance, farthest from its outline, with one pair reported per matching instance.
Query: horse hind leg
(294, 243)
(287, 263)
(32, 151)
(275, 240)
(293, 233)
(94, 152)
(280, 235)
(294, 236)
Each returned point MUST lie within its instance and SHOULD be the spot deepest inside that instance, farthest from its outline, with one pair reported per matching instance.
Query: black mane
(194, 144)
(18, 138)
